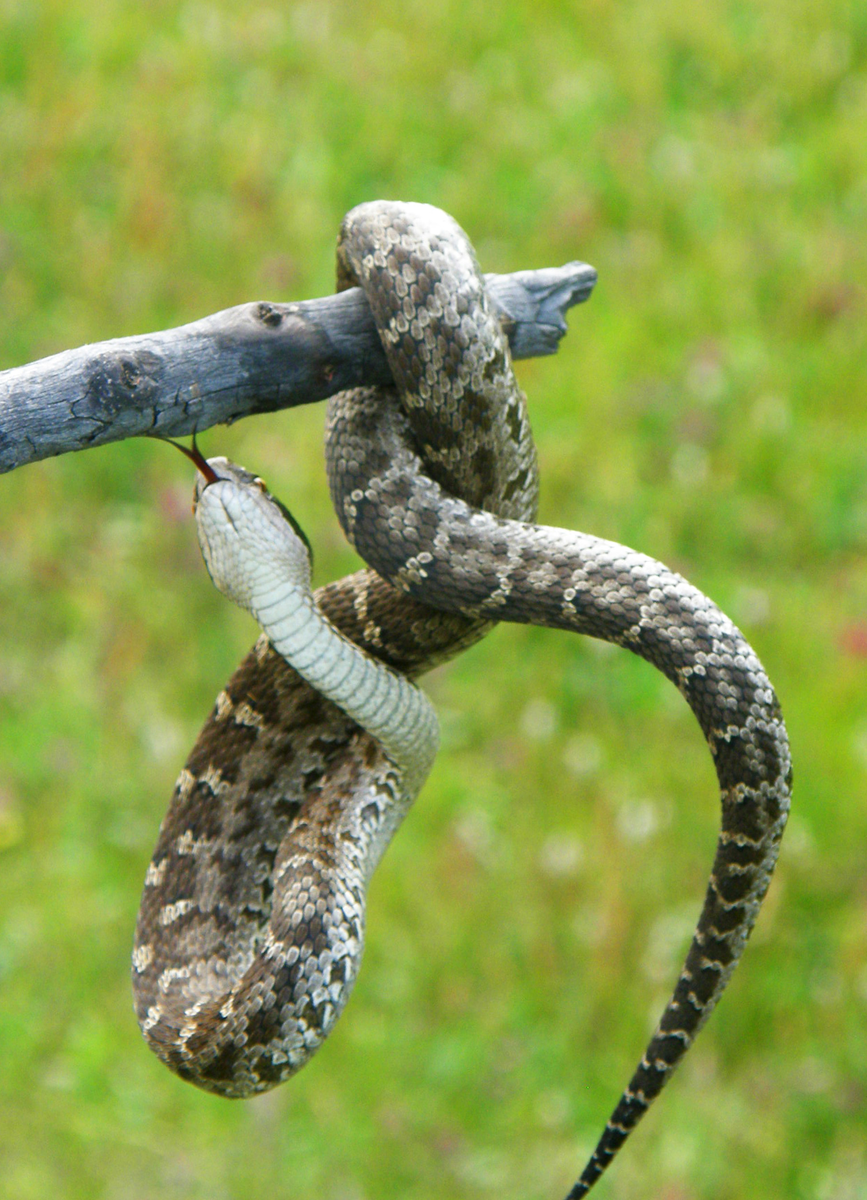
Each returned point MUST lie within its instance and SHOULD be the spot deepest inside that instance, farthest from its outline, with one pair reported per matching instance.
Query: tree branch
(254, 358)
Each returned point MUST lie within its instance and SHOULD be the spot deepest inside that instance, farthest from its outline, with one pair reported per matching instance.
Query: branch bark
(254, 358)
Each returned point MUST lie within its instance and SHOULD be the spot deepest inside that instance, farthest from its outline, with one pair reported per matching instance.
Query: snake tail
(460, 558)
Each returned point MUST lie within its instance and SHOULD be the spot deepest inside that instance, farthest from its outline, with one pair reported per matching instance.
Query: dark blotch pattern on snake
(250, 829)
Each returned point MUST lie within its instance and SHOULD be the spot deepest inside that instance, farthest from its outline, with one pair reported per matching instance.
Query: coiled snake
(252, 918)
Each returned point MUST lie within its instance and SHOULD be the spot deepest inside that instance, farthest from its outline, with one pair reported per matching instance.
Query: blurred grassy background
(161, 161)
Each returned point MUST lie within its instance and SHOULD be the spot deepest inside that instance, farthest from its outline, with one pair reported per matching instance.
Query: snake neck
(384, 703)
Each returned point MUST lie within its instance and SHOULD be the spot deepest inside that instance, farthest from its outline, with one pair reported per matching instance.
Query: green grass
(161, 161)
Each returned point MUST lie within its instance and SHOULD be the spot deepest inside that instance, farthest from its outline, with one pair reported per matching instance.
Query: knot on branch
(269, 314)
(120, 381)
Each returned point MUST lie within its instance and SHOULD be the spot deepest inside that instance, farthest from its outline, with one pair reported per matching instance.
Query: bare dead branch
(254, 358)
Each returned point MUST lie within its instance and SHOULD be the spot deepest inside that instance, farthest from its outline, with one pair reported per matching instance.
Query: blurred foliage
(164, 160)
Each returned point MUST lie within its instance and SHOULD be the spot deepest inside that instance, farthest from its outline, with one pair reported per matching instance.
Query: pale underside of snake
(251, 926)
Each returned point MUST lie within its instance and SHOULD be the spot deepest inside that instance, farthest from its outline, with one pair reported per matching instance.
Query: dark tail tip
(627, 1114)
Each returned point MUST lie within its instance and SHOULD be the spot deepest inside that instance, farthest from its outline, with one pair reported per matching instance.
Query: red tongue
(195, 456)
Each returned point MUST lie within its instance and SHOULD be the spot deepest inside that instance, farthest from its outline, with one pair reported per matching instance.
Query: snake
(251, 926)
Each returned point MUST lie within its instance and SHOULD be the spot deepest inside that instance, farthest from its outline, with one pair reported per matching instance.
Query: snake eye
(260, 484)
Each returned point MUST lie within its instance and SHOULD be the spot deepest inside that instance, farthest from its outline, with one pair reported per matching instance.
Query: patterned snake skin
(235, 973)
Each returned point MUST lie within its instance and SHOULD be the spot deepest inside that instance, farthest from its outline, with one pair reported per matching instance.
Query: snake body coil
(435, 485)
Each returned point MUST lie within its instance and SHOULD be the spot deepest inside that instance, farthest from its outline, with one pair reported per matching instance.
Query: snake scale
(251, 924)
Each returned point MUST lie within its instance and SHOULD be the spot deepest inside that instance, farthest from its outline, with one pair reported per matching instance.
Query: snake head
(214, 469)
(249, 540)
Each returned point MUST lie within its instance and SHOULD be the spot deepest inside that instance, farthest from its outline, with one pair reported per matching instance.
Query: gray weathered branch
(255, 358)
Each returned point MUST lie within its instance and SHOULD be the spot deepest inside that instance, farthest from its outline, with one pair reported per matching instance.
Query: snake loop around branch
(435, 484)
